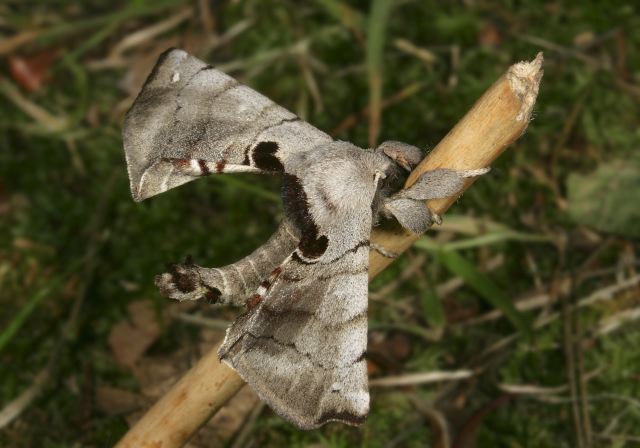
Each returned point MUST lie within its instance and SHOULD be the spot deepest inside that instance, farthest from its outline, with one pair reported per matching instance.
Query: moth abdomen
(297, 208)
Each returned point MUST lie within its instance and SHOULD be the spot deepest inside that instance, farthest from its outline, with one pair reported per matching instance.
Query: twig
(241, 439)
(603, 294)
(408, 47)
(421, 378)
(534, 389)
(497, 119)
(618, 438)
(15, 407)
(353, 119)
(614, 322)
(582, 382)
(439, 425)
(144, 35)
(469, 429)
(414, 267)
(47, 120)
(545, 299)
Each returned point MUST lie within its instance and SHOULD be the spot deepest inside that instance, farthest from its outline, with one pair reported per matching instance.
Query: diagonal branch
(495, 121)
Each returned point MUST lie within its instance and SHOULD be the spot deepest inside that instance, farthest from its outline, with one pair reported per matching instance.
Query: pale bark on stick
(497, 119)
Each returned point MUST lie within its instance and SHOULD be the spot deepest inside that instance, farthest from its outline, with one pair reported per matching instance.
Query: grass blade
(432, 308)
(241, 184)
(345, 14)
(486, 239)
(376, 36)
(485, 287)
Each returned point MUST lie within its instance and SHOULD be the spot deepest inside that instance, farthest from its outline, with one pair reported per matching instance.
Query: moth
(301, 341)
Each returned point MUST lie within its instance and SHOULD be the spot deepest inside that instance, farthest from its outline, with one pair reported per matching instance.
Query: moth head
(406, 156)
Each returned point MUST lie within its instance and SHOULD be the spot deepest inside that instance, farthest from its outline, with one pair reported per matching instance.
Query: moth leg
(231, 284)
(413, 215)
(439, 183)
(405, 155)
(408, 207)
(183, 282)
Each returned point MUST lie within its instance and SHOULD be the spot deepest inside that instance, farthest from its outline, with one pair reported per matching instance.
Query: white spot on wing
(175, 77)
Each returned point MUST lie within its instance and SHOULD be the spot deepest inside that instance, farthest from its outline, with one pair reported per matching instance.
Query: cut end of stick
(524, 79)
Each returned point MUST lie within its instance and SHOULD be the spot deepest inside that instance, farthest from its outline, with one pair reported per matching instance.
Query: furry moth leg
(408, 207)
(231, 284)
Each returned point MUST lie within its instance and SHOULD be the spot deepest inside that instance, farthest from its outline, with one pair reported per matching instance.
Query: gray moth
(301, 342)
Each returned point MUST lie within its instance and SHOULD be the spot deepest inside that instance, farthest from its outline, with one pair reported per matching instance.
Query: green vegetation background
(561, 207)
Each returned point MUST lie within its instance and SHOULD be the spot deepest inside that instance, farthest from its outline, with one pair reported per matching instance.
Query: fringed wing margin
(302, 346)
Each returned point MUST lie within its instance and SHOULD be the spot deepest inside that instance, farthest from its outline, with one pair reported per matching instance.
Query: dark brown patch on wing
(220, 166)
(180, 164)
(253, 301)
(184, 282)
(296, 206)
(246, 156)
(313, 247)
(204, 170)
(264, 157)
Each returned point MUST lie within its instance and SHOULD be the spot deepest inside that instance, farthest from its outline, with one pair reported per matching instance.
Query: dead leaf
(113, 401)
(400, 346)
(603, 199)
(31, 72)
(387, 351)
(130, 338)
(489, 35)
(584, 39)
(159, 373)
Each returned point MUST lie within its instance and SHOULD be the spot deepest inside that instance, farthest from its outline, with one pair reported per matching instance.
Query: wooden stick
(497, 119)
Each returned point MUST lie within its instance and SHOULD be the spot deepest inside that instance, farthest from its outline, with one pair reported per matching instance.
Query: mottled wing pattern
(301, 345)
(191, 120)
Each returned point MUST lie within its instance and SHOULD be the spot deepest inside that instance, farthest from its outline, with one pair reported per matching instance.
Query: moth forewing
(190, 113)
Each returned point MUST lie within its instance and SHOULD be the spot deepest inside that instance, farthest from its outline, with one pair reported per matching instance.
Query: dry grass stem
(421, 378)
